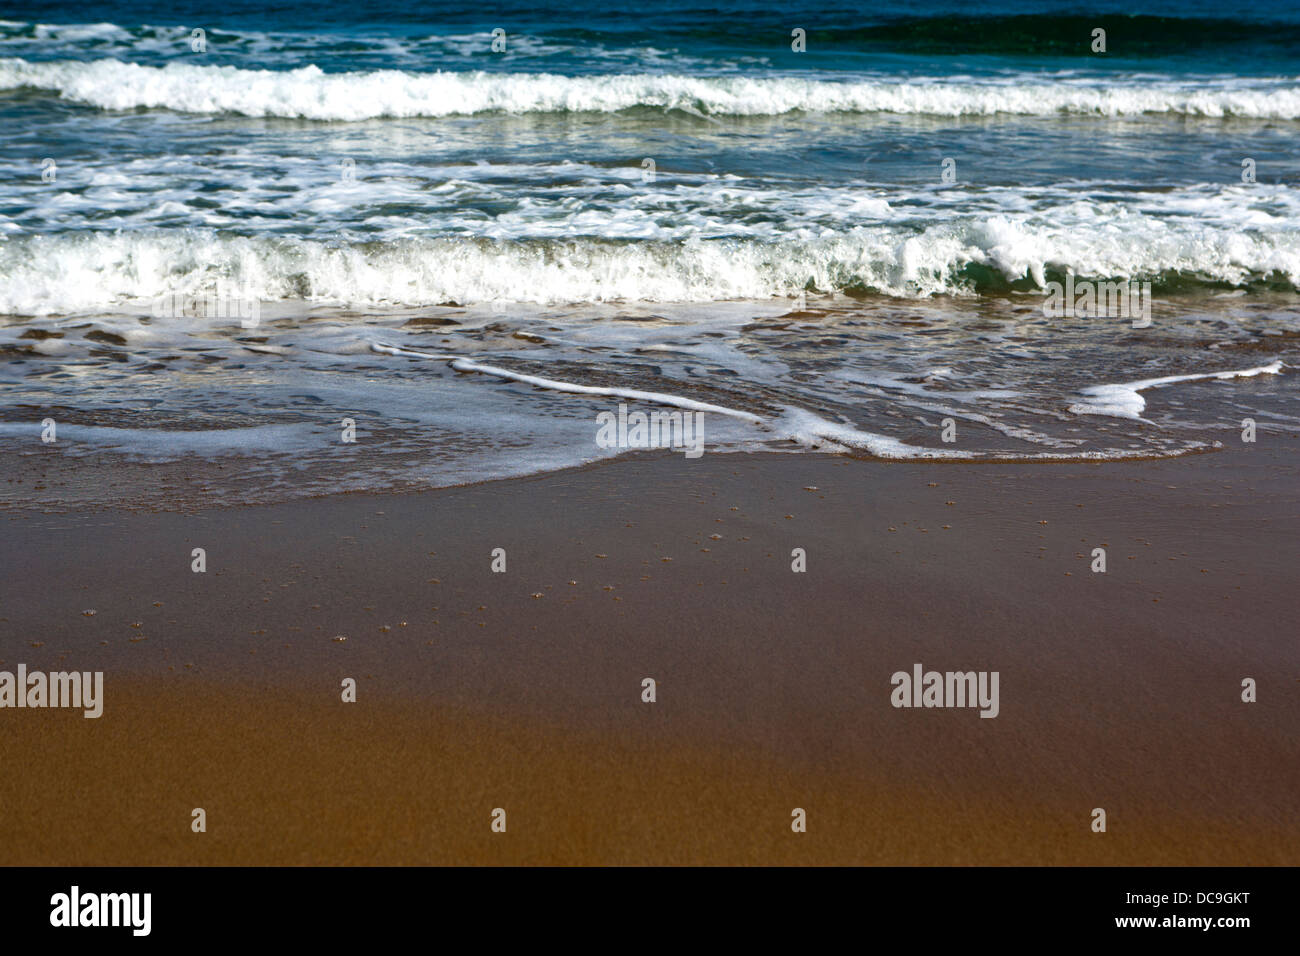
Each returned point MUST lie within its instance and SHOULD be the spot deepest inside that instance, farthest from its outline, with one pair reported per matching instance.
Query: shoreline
(124, 469)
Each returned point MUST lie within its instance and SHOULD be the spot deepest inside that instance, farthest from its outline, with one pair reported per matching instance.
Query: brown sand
(1118, 690)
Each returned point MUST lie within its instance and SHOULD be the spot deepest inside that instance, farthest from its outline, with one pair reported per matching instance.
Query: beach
(714, 434)
(522, 689)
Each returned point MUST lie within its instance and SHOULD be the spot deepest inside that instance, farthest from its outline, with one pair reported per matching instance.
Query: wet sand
(522, 690)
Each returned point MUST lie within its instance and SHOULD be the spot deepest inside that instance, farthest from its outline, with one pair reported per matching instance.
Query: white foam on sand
(797, 425)
(1125, 400)
(637, 395)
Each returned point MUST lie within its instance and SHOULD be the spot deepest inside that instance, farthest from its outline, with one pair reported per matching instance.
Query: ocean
(249, 253)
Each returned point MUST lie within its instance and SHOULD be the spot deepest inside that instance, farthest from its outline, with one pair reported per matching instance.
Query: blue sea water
(850, 240)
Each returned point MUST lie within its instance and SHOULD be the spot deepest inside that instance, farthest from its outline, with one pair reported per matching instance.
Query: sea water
(471, 231)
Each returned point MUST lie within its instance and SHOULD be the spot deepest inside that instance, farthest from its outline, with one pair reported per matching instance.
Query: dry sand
(522, 690)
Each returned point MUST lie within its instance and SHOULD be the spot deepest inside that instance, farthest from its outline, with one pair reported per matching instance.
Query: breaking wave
(311, 93)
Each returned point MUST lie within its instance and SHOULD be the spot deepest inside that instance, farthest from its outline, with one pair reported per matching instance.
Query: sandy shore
(522, 690)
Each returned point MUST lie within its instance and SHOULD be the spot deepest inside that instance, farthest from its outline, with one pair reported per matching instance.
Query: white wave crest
(310, 93)
(46, 275)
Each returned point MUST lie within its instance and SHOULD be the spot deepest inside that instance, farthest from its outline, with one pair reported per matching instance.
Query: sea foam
(67, 274)
(310, 93)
